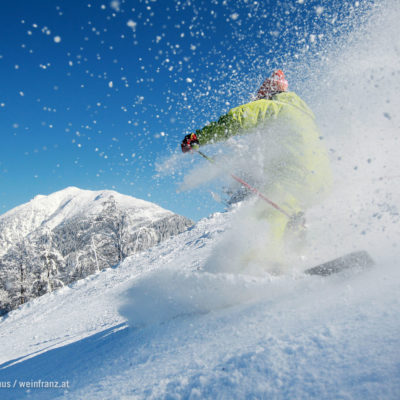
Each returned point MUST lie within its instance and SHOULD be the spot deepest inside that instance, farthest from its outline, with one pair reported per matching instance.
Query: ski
(354, 260)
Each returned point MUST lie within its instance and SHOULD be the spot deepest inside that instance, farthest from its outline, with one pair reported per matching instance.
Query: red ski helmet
(275, 83)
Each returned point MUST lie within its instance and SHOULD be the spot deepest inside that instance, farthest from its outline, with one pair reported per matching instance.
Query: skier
(296, 168)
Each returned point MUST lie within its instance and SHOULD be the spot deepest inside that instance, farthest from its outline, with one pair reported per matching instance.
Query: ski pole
(248, 186)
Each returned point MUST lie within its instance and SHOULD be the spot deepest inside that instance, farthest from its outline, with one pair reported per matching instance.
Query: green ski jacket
(299, 164)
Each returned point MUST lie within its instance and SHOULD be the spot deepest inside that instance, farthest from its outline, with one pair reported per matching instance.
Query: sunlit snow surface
(158, 326)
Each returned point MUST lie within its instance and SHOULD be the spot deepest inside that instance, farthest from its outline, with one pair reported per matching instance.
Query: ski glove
(189, 143)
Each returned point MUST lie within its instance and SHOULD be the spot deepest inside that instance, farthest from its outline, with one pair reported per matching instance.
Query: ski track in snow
(157, 327)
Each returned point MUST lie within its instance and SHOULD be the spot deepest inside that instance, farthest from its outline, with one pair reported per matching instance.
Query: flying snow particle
(192, 47)
(110, 84)
(319, 10)
(21, 93)
(189, 80)
(57, 39)
(115, 4)
(387, 115)
(132, 24)
(234, 16)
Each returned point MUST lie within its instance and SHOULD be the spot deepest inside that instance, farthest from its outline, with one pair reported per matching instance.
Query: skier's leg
(287, 236)
(275, 247)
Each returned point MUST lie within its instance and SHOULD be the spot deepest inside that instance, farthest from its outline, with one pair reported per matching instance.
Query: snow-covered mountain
(54, 240)
(160, 326)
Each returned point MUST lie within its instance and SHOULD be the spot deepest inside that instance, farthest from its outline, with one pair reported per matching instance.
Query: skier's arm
(217, 131)
(238, 120)
(222, 129)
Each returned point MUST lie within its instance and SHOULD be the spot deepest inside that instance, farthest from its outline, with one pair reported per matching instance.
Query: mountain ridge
(50, 204)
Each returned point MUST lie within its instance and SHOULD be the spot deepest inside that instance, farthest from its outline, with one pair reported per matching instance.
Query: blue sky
(94, 94)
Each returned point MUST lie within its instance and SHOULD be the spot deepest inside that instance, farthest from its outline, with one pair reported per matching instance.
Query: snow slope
(161, 326)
